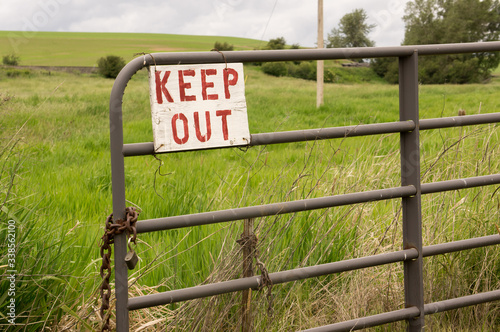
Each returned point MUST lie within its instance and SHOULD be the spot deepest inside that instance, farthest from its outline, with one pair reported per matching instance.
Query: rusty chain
(112, 229)
(265, 281)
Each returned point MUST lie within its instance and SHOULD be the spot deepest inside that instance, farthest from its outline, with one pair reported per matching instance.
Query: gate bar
(460, 302)
(369, 321)
(205, 218)
(397, 315)
(310, 54)
(459, 121)
(179, 295)
(444, 248)
(140, 149)
(477, 181)
(185, 294)
(328, 133)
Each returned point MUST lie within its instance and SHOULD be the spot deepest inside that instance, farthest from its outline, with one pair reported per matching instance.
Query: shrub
(12, 73)
(306, 71)
(275, 68)
(219, 46)
(110, 66)
(10, 60)
(387, 68)
(329, 76)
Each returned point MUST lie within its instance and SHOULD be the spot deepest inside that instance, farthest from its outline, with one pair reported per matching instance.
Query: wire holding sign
(198, 107)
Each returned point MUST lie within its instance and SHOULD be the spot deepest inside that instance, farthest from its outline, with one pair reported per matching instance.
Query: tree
(276, 44)
(352, 31)
(451, 21)
(110, 66)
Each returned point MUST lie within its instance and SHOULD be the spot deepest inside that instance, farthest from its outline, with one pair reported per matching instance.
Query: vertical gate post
(410, 175)
(118, 190)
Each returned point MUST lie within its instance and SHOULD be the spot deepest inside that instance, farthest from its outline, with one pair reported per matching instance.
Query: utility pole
(320, 63)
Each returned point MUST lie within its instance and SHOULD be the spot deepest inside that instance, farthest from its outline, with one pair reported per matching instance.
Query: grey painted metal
(311, 54)
(139, 149)
(408, 313)
(477, 181)
(459, 121)
(444, 248)
(118, 190)
(460, 302)
(254, 282)
(197, 219)
(369, 321)
(328, 133)
(410, 190)
(410, 175)
(205, 218)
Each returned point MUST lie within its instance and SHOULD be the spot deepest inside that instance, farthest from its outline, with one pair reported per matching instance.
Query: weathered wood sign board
(198, 106)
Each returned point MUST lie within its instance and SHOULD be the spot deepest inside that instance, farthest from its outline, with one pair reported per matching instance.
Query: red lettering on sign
(205, 85)
(161, 88)
(202, 138)
(182, 117)
(184, 86)
(224, 114)
(228, 82)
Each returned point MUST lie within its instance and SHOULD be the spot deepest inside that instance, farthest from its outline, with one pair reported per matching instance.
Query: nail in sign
(198, 106)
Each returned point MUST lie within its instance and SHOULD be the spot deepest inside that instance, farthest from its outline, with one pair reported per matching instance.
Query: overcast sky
(296, 20)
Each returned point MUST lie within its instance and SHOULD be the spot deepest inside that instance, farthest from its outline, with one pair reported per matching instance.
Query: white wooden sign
(198, 106)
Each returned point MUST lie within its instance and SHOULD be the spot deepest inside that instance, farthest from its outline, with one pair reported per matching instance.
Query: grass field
(84, 49)
(56, 186)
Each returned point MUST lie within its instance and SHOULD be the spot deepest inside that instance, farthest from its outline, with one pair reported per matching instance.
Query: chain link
(112, 229)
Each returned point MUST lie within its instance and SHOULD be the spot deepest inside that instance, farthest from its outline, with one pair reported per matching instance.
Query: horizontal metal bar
(329, 133)
(364, 322)
(478, 181)
(140, 149)
(191, 293)
(314, 54)
(458, 121)
(444, 248)
(460, 302)
(206, 218)
(398, 315)
(342, 266)
(306, 272)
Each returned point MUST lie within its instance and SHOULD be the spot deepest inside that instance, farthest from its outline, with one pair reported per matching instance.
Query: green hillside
(83, 49)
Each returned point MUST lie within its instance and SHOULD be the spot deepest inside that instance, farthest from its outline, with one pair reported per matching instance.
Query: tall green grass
(63, 195)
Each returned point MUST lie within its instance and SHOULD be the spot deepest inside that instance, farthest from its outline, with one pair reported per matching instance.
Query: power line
(269, 20)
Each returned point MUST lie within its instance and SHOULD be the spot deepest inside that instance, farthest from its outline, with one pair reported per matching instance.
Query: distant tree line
(299, 69)
(426, 22)
(448, 21)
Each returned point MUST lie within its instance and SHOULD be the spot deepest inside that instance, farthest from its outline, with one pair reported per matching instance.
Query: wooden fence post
(248, 253)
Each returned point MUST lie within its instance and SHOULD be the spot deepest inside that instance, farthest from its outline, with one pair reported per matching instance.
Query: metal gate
(410, 190)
